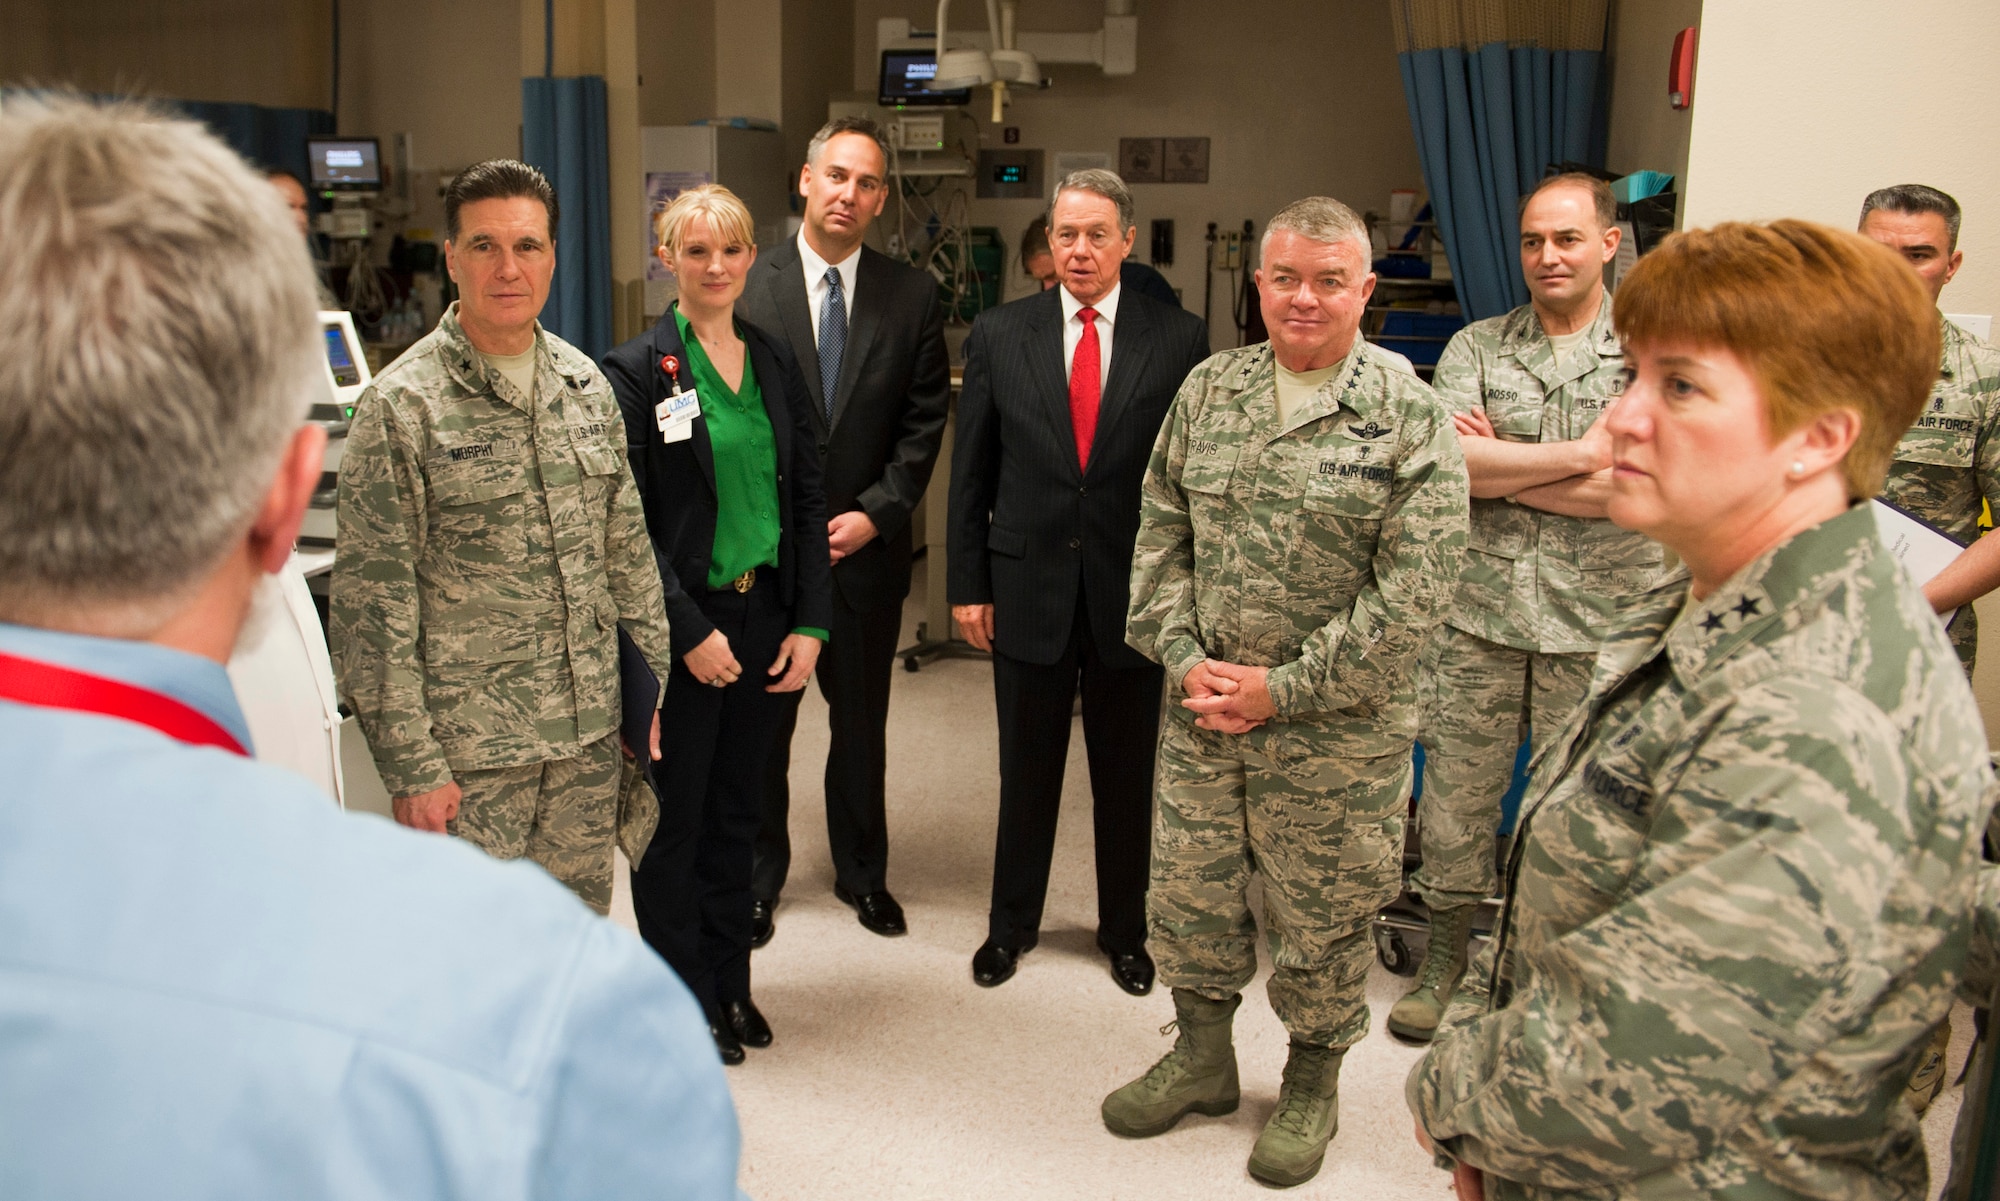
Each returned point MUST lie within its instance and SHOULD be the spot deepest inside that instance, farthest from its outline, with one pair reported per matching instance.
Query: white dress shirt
(815, 269)
(1107, 318)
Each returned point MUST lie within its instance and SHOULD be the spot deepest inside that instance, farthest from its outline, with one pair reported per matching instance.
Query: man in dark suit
(1064, 394)
(868, 333)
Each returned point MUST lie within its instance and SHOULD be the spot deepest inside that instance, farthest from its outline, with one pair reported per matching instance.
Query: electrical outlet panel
(919, 131)
(1226, 253)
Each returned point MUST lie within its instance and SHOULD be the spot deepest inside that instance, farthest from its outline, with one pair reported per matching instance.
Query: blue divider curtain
(1498, 90)
(267, 137)
(563, 133)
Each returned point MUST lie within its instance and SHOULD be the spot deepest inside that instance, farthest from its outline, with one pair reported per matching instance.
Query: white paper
(1921, 550)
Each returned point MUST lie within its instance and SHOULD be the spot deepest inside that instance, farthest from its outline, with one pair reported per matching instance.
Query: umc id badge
(676, 416)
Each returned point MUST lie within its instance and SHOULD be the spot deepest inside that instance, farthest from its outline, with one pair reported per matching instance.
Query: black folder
(639, 693)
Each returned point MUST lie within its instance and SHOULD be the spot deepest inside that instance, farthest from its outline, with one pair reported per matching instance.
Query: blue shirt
(213, 984)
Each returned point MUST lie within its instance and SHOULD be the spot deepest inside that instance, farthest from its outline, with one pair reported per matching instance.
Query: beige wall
(1802, 107)
(676, 67)
(448, 76)
(246, 51)
(1645, 132)
(818, 50)
(1295, 101)
(749, 59)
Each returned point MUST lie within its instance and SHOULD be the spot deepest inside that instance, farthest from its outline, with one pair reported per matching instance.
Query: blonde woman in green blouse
(716, 428)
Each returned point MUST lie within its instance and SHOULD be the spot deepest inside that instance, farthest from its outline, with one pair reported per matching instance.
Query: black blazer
(1028, 527)
(677, 480)
(888, 409)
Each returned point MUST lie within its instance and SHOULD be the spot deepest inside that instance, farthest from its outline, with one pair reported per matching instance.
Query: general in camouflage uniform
(1948, 464)
(1323, 547)
(490, 543)
(1736, 900)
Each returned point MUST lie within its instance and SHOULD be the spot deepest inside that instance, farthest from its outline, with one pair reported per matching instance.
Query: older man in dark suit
(869, 333)
(1064, 394)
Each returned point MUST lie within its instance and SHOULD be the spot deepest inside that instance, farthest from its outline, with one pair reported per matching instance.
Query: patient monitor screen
(345, 163)
(906, 80)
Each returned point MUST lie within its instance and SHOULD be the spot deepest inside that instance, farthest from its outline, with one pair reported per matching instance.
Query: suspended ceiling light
(959, 68)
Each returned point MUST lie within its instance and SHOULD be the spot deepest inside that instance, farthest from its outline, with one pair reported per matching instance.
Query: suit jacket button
(1082, 491)
(822, 448)
(1076, 544)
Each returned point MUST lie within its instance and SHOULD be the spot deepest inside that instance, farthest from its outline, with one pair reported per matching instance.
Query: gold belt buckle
(746, 581)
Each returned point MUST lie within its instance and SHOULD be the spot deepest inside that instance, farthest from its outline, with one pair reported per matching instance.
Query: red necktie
(1085, 389)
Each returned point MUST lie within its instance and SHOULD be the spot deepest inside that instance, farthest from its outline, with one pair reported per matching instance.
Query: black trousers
(1121, 728)
(691, 891)
(854, 673)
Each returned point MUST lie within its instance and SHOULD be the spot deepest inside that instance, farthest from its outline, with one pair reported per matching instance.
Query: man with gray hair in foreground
(212, 983)
(1300, 530)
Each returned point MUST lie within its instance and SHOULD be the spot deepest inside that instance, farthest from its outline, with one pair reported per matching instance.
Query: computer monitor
(906, 78)
(345, 164)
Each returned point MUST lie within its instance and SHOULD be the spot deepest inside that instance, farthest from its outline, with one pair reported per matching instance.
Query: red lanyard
(33, 682)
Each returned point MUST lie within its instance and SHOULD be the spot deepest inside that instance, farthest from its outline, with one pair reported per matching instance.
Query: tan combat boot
(1416, 1016)
(1928, 1080)
(1197, 1076)
(1294, 1141)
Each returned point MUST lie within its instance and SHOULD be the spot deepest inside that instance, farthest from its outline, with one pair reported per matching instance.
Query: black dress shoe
(746, 1023)
(761, 925)
(726, 1044)
(877, 910)
(1133, 972)
(993, 964)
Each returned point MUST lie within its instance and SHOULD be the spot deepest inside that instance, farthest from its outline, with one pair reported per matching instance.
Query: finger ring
(719, 682)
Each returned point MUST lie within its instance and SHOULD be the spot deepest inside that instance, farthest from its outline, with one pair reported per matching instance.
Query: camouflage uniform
(1949, 460)
(1980, 988)
(1535, 599)
(1323, 550)
(1737, 900)
(489, 546)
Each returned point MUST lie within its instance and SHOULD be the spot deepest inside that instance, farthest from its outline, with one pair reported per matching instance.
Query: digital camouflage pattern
(1536, 598)
(1325, 550)
(1949, 461)
(546, 812)
(1737, 900)
(1326, 833)
(1540, 581)
(1478, 701)
(1981, 989)
(489, 546)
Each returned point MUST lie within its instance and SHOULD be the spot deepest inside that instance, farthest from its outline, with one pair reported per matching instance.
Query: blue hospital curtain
(563, 134)
(267, 137)
(1498, 90)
